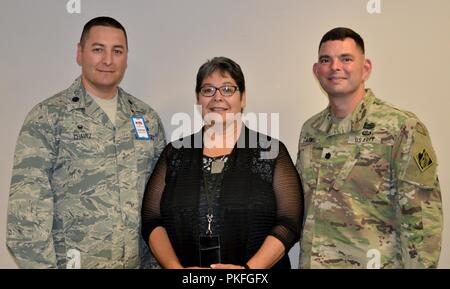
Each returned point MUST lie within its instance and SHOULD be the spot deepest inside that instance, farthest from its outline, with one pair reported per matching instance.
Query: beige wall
(275, 41)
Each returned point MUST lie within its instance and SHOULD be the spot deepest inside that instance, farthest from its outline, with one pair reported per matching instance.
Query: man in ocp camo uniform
(372, 193)
(82, 160)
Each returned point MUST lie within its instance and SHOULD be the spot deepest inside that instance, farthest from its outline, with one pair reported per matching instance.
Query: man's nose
(336, 64)
(107, 58)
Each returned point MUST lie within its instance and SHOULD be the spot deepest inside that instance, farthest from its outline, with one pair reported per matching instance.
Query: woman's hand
(226, 266)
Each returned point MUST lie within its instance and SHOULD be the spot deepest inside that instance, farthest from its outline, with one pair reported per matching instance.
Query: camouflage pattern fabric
(372, 193)
(78, 183)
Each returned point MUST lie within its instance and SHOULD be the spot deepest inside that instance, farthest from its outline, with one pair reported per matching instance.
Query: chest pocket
(144, 151)
(83, 139)
(307, 168)
(145, 161)
(365, 170)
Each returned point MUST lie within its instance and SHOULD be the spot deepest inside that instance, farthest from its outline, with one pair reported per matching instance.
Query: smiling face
(218, 104)
(342, 68)
(103, 60)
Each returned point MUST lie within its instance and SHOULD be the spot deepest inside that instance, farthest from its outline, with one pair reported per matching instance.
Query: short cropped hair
(101, 21)
(340, 33)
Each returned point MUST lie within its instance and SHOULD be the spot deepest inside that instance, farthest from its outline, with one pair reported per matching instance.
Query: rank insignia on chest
(423, 160)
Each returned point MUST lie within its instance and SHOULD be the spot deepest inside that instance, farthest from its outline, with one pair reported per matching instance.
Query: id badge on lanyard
(209, 246)
(141, 130)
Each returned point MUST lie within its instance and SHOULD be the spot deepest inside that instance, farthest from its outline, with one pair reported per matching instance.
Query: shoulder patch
(423, 169)
(423, 160)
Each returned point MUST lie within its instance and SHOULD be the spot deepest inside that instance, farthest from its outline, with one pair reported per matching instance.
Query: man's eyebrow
(97, 44)
(340, 55)
(103, 45)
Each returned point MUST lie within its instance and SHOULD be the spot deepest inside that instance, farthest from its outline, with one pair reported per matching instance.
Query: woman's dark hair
(223, 65)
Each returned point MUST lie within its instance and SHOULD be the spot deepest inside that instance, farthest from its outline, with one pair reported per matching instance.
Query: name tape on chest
(366, 136)
(308, 140)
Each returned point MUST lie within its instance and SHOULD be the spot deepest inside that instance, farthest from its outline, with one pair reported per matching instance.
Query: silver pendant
(217, 166)
(209, 217)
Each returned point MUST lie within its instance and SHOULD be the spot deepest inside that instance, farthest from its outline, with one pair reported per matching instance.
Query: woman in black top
(226, 197)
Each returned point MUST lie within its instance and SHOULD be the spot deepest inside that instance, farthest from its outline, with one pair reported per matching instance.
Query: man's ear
(79, 51)
(315, 68)
(367, 69)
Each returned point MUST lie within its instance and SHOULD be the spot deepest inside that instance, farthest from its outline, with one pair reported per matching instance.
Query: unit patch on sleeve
(423, 160)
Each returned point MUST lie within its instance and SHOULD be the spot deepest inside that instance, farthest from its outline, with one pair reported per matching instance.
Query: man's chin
(107, 83)
(336, 90)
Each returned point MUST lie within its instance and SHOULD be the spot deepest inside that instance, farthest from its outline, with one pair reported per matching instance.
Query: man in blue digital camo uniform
(81, 164)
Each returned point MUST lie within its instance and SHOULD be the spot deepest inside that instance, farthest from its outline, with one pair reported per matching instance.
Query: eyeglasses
(226, 90)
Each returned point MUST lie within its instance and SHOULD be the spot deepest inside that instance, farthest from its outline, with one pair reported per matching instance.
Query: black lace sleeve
(289, 195)
(150, 212)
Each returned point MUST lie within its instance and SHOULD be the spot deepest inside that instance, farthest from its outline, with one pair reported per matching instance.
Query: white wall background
(274, 41)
